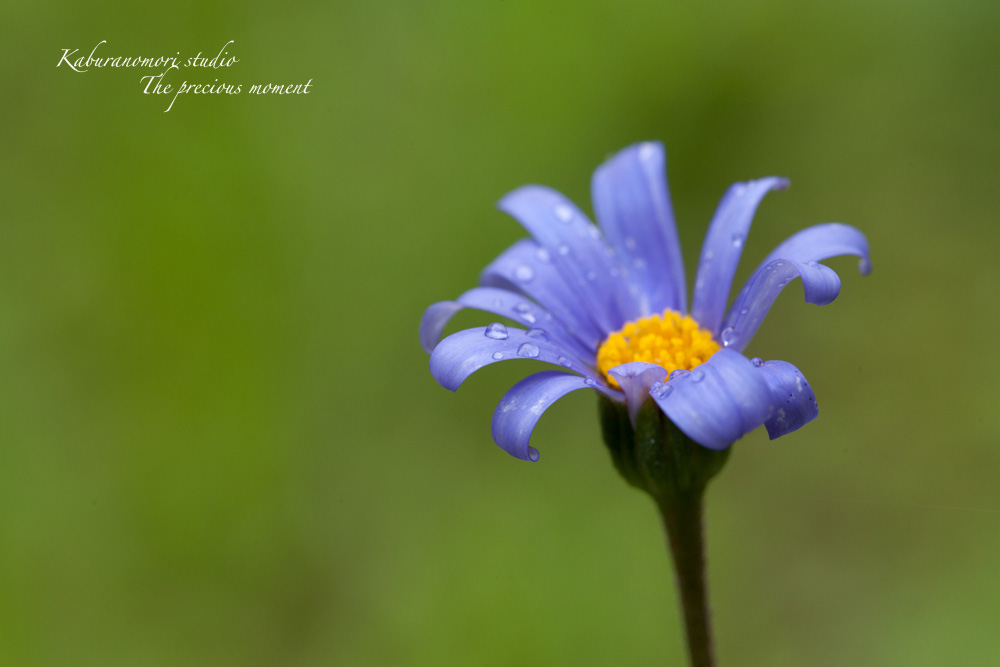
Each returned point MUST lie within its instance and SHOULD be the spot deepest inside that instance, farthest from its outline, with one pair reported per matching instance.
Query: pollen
(670, 340)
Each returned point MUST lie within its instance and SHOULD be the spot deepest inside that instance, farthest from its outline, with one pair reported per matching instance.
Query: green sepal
(655, 455)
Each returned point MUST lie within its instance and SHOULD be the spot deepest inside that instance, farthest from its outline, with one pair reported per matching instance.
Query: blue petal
(723, 246)
(463, 353)
(718, 402)
(520, 409)
(577, 250)
(632, 205)
(636, 378)
(792, 399)
(526, 267)
(500, 302)
(796, 256)
(819, 242)
(821, 286)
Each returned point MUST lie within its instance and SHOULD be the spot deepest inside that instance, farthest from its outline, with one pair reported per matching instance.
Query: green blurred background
(219, 442)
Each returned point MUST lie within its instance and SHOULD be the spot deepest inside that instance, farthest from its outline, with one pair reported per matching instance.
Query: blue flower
(609, 306)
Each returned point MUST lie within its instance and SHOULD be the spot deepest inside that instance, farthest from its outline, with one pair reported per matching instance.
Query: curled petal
(527, 267)
(819, 242)
(500, 302)
(463, 353)
(793, 403)
(723, 246)
(521, 407)
(821, 284)
(718, 402)
(632, 204)
(636, 378)
(801, 251)
(576, 248)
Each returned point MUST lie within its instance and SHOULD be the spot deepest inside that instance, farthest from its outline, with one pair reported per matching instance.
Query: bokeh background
(219, 442)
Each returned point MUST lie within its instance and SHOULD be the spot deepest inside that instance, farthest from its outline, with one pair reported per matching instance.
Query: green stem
(682, 517)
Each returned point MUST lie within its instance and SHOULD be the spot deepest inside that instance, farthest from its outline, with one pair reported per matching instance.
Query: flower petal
(500, 302)
(821, 285)
(797, 255)
(635, 378)
(632, 205)
(527, 267)
(718, 402)
(792, 399)
(463, 353)
(723, 246)
(819, 242)
(576, 248)
(522, 406)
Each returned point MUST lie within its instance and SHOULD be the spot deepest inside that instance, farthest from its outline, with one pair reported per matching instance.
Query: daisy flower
(607, 305)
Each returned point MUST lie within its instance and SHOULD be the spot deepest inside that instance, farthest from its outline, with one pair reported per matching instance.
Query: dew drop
(744, 311)
(757, 361)
(563, 250)
(697, 376)
(564, 213)
(524, 273)
(677, 373)
(737, 240)
(660, 390)
(813, 264)
(527, 350)
(498, 355)
(726, 336)
(563, 361)
(780, 264)
(528, 318)
(538, 334)
(496, 331)
(522, 308)
(590, 382)
(543, 255)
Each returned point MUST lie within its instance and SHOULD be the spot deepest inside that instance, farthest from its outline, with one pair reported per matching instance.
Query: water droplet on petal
(543, 255)
(527, 350)
(813, 263)
(678, 372)
(539, 334)
(496, 331)
(780, 264)
(563, 361)
(524, 273)
(528, 318)
(564, 213)
(744, 311)
(563, 250)
(590, 382)
(737, 240)
(660, 390)
(697, 376)
(726, 335)
(757, 361)
(498, 355)
(522, 308)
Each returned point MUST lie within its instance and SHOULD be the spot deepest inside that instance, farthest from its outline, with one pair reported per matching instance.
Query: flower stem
(682, 517)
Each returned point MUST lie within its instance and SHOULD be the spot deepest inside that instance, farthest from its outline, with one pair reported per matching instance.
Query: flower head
(609, 306)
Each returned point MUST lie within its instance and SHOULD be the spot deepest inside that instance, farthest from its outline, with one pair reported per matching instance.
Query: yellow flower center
(670, 340)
